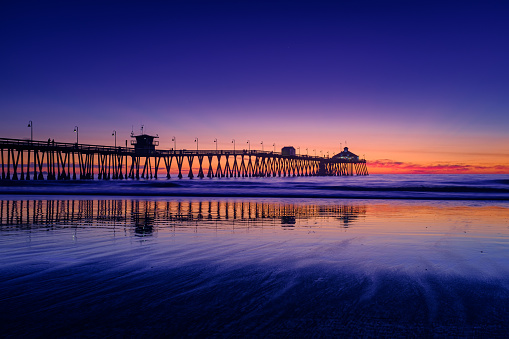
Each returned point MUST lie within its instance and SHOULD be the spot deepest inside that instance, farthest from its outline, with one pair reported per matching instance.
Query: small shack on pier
(288, 151)
(144, 143)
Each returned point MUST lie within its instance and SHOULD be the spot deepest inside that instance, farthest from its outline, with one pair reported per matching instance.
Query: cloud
(391, 166)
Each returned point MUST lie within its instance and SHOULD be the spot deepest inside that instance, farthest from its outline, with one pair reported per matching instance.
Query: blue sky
(409, 81)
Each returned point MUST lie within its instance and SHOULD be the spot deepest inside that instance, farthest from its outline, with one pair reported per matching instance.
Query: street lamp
(196, 141)
(307, 153)
(174, 143)
(274, 144)
(233, 141)
(115, 134)
(77, 134)
(249, 148)
(299, 151)
(315, 152)
(327, 154)
(31, 130)
(262, 145)
(215, 140)
(321, 154)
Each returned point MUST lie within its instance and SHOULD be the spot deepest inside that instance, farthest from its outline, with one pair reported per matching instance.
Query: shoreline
(257, 267)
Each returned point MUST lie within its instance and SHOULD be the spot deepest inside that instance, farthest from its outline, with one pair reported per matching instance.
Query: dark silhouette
(144, 160)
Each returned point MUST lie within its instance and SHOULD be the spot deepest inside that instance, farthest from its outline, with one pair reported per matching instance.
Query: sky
(414, 87)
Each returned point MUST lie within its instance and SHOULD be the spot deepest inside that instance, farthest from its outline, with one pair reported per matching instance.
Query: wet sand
(257, 267)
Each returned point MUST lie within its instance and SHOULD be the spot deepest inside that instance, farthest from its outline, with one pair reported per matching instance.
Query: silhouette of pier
(50, 160)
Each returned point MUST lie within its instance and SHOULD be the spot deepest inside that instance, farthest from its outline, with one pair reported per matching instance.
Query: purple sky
(401, 80)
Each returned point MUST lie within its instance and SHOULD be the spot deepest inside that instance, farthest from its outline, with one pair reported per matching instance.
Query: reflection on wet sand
(255, 268)
(146, 215)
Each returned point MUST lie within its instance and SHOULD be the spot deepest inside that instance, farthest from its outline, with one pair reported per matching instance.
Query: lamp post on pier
(115, 134)
(77, 134)
(31, 130)
(315, 152)
(215, 141)
(299, 151)
(233, 141)
(174, 143)
(28, 165)
(274, 144)
(249, 147)
(262, 145)
(307, 153)
(196, 141)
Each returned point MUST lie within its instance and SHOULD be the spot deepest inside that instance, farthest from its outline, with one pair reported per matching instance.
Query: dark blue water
(441, 187)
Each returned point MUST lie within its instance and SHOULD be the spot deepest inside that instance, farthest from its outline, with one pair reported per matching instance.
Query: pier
(50, 160)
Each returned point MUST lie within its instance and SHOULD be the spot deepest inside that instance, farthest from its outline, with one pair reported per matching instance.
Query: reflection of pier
(39, 160)
(145, 215)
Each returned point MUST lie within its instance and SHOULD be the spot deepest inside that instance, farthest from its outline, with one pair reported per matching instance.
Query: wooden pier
(49, 160)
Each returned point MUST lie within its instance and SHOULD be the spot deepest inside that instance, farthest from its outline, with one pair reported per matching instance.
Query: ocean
(376, 256)
(398, 186)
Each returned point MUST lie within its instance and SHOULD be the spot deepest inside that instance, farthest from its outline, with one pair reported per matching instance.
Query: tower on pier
(144, 143)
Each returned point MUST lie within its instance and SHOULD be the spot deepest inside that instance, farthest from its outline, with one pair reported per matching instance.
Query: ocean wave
(432, 187)
(452, 189)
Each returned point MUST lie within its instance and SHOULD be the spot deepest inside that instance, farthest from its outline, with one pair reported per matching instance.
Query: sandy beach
(252, 267)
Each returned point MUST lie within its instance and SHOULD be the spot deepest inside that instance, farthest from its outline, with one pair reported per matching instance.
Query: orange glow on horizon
(387, 166)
